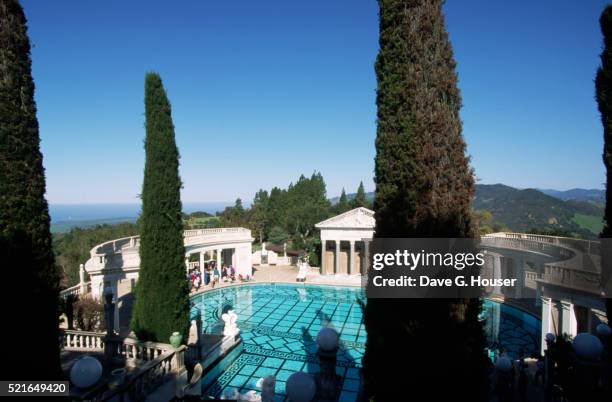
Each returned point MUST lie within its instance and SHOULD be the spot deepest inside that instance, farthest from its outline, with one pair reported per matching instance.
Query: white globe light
(300, 387)
(503, 364)
(604, 330)
(327, 339)
(85, 372)
(587, 346)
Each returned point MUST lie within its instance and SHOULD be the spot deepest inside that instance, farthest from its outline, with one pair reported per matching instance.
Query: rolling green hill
(531, 210)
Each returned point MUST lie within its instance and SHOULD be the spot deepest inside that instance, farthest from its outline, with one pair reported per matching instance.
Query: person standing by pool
(206, 274)
(215, 276)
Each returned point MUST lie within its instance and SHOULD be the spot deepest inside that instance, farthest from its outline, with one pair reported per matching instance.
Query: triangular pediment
(358, 218)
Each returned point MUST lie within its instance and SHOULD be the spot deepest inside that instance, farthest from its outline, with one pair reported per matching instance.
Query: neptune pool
(279, 324)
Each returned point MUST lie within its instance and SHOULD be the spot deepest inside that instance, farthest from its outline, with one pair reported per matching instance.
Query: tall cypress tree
(603, 89)
(343, 203)
(360, 199)
(162, 293)
(424, 188)
(30, 274)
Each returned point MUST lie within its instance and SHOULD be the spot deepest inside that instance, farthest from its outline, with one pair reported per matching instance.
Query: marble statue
(230, 328)
(193, 333)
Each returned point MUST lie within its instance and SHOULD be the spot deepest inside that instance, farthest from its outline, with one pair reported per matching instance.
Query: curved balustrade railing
(75, 290)
(133, 242)
(585, 246)
(578, 266)
(528, 244)
(122, 254)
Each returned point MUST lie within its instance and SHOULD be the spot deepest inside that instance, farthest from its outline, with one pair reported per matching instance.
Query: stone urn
(175, 339)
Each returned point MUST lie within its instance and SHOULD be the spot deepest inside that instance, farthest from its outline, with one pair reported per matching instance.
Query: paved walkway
(287, 274)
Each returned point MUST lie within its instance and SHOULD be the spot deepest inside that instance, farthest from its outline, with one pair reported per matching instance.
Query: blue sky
(264, 91)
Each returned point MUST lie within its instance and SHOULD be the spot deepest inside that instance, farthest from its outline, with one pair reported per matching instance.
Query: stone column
(366, 256)
(520, 276)
(115, 290)
(497, 272)
(323, 247)
(337, 258)
(546, 303)
(219, 251)
(83, 287)
(352, 258)
(569, 324)
(201, 260)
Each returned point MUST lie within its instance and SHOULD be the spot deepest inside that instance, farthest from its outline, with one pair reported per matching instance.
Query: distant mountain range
(580, 194)
(576, 211)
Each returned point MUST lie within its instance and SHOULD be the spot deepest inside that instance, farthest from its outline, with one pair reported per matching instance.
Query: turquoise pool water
(510, 329)
(279, 324)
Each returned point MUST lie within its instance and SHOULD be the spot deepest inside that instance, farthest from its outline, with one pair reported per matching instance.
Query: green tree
(278, 235)
(25, 237)
(424, 187)
(360, 199)
(603, 89)
(343, 203)
(162, 294)
(277, 209)
(307, 205)
(234, 216)
(258, 214)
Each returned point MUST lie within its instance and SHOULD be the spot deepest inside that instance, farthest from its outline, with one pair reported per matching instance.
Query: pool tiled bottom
(279, 325)
(509, 329)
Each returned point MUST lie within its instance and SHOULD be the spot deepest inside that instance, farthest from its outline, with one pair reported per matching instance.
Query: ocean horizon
(108, 211)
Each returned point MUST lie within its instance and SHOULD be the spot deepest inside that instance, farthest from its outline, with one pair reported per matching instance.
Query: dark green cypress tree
(162, 293)
(360, 199)
(424, 188)
(603, 88)
(343, 203)
(30, 294)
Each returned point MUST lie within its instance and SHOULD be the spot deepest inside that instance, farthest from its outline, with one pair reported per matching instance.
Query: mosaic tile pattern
(279, 325)
(512, 330)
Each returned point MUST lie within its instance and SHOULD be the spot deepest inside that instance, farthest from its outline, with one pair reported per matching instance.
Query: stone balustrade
(82, 341)
(572, 278)
(75, 290)
(570, 270)
(582, 245)
(134, 350)
(151, 376)
(529, 243)
(153, 363)
(203, 232)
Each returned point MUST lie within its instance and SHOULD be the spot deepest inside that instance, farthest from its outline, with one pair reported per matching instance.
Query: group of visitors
(212, 275)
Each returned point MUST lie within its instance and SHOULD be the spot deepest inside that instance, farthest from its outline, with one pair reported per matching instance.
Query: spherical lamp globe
(86, 372)
(300, 387)
(327, 339)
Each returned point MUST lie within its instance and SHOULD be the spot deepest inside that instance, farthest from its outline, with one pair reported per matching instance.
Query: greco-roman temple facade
(345, 242)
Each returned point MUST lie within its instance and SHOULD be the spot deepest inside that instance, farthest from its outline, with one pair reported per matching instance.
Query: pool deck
(287, 274)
